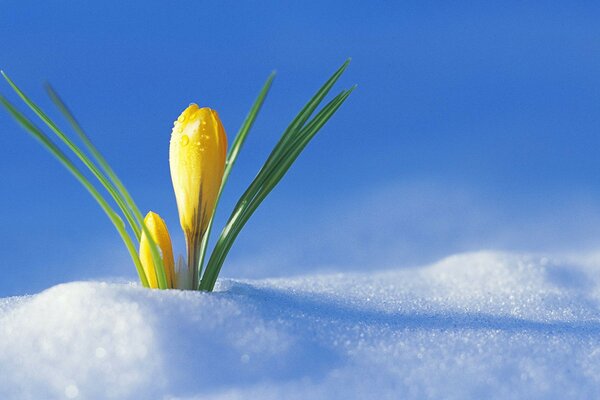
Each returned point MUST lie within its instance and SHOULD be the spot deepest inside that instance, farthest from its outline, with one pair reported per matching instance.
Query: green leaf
(289, 147)
(234, 150)
(292, 130)
(64, 109)
(64, 160)
(159, 268)
(80, 154)
(240, 137)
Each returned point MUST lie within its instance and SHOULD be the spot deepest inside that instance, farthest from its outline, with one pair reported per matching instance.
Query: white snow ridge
(473, 326)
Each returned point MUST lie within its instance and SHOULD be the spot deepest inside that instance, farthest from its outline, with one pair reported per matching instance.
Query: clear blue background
(473, 127)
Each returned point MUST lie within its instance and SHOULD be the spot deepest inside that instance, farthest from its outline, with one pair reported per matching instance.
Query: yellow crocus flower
(158, 230)
(197, 155)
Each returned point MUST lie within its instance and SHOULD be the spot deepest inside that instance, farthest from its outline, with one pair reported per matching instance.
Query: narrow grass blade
(64, 109)
(240, 137)
(64, 160)
(80, 154)
(112, 176)
(292, 130)
(306, 112)
(270, 178)
(234, 151)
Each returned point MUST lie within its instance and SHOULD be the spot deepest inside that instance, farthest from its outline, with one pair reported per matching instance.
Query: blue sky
(473, 126)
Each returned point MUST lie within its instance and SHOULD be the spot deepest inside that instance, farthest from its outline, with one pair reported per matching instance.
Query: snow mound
(478, 325)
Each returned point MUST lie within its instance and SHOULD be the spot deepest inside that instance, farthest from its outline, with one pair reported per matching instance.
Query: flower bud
(197, 154)
(158, 230)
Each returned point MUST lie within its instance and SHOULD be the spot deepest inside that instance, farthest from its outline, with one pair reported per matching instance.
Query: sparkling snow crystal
(480, 325)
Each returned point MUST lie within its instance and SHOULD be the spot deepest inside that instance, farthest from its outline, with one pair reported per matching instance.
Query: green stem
(193, 257)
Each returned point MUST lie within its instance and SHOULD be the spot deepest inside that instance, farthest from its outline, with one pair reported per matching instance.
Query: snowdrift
(478, 325)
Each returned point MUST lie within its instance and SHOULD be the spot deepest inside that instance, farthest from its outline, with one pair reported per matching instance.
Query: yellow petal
(160, 234)
(197, 159)
(197, 155)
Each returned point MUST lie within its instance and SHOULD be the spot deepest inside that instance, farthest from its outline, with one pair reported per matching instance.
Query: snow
(477, 325)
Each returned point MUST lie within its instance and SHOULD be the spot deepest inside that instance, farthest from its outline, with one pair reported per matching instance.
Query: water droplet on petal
(181, 118)
(185, 140)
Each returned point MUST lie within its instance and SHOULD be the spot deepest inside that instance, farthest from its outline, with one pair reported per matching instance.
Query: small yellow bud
(160, 234)
(197, 155)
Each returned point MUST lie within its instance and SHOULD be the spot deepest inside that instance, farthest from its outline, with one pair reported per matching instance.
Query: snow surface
(477, 325)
